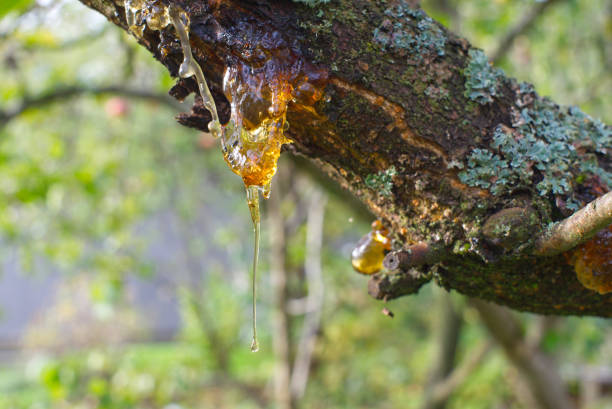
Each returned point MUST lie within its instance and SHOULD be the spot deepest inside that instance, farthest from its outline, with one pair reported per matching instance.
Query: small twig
(71, 43)
(412, 256)
(577, 228)
(520, 28)
(382, 287)
(388, 312)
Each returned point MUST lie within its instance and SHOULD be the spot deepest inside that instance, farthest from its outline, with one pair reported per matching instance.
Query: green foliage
(481, 78)
(15, 6)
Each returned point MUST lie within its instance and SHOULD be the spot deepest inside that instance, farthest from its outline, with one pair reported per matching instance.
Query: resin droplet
(134, 16)
(154, 12)
(254, 136)
(593, 262)
(156, 15)
(367, 257)
(260, 80)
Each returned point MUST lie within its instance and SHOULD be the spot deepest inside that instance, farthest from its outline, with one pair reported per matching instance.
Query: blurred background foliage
(135, 240)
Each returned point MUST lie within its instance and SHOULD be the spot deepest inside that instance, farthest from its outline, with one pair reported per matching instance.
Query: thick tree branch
(577, 228)
(419, 127)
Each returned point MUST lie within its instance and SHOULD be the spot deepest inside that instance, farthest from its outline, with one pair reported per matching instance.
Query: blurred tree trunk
(537, 370)
(450, 152)
(449, 330)
(281, 322)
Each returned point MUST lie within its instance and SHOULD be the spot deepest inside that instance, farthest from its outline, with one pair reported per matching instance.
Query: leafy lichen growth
(481, 78)
(382, 182)
(312, 3)
(402, 36)
(547, 146)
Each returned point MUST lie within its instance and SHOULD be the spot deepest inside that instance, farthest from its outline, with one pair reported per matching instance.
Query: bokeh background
(125, 241)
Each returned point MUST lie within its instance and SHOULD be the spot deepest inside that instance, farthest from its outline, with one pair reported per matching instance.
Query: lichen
(547, 148)
(404, 37)
(481, 78)
(312, 3)
(381, 182)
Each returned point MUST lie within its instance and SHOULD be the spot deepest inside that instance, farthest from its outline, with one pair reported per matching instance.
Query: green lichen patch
(400, 33)
(551, 147)
(481, 78)
(312, 3)
(381, 182)
(436, 92)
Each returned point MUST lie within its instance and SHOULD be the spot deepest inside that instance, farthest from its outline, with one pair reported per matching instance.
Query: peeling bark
(418, 126)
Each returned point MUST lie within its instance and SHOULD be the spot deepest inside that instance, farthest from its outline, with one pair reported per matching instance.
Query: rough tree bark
(446, 149)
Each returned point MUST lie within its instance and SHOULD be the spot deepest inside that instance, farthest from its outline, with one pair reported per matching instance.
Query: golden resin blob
(253, 137)
(258, 85)
(593, 262)
(367, 257)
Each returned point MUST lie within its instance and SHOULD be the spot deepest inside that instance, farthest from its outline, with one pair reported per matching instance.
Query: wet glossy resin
(593, 262)
(259, 83)
(367, 257)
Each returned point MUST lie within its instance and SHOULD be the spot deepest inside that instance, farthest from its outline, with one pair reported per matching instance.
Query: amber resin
(259, 83)
(367, 257)
(153, 12)
(593, 262)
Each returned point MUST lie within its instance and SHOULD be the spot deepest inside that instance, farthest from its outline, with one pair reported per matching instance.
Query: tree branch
(449, 331)
(577, 228)
(61, 94)
(417, 125)
(281, 319)
(520, 28)
(412, 256)
(314, 301)
(444, 389)
(539, 372)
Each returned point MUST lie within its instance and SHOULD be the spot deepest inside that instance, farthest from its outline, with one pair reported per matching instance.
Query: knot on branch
(511, 228)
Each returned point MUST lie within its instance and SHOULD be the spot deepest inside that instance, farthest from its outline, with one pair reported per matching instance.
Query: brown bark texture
(417, 124)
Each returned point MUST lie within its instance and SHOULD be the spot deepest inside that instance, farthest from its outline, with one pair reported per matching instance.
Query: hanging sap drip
(259, 84)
